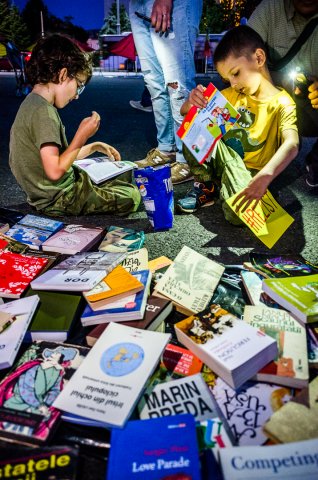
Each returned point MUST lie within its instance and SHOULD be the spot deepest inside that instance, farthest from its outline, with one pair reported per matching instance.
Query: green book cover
(299, 295)
(55, 316)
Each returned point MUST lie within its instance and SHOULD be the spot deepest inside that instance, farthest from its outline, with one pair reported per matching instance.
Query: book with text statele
(159, 448)
(108, 384)
(202, 128)
(230, 347)
(290, 368)
(100, 169)
(299, 295)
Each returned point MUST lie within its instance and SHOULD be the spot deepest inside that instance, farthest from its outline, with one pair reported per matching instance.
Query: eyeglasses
(80, 86)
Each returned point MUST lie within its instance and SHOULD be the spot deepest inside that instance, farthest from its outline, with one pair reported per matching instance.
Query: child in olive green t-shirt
(40, 157)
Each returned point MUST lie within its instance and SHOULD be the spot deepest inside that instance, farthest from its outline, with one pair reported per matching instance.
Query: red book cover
(17, 271)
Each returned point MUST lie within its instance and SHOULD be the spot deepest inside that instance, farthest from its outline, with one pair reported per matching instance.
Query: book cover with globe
(110, 381)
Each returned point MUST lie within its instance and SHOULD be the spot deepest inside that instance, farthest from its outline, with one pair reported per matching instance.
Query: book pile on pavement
(162, 366)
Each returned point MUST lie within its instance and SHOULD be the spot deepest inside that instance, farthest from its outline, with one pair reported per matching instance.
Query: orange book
(117, 284)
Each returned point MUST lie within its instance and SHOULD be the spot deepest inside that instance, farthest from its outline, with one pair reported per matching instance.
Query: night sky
(87, 14)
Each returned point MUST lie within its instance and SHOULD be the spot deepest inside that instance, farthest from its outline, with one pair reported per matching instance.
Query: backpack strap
(305, 34)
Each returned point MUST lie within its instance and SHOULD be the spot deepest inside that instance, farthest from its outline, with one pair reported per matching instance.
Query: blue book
(33, 230)
(131, 307)
(154, 449)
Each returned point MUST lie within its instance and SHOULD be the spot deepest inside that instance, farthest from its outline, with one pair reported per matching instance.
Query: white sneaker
(137, 104)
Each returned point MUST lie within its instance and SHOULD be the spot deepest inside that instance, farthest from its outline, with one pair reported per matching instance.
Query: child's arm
(54, 164)
(101, 147)
(257, 187)
(196, 98)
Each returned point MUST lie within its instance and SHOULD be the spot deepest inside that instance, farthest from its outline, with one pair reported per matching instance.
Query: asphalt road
(133, 133)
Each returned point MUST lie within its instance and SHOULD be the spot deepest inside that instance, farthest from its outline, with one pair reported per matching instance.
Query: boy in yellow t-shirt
(263, 141)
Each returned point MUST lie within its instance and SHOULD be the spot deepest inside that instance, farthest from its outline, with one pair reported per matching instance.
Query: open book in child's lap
(100, 169)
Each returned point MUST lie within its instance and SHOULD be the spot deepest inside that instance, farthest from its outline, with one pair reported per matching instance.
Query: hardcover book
(45, 463)
(56, 317)
(15, 317)
(122, 239)
(73, 239)
(283, 265)
(33, 230)
(202, 128)
(232, 349)
(116, 285)
(100, 169)
(80, 272)
(131, 307)
(157, 310)
(290, 368)
(159, 448)
(249, 407)
(293, 460)
(183, 395)
(27, 392)
(299, 295)
(17, 271)
(296, 420)
(108, 384)
(190, 281)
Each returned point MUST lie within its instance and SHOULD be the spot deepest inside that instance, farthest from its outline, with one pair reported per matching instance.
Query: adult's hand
(161, 15)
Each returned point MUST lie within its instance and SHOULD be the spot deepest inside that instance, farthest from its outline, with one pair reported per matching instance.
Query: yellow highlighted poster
(268, 221)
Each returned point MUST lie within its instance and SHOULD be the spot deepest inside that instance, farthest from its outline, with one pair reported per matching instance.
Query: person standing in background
(165, 46)
(280, 23)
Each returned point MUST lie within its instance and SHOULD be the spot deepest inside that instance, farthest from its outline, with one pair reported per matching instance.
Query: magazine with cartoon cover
(28, 391)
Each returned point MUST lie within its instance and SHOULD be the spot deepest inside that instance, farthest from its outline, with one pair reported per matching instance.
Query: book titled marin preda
(299, 295)
(131, 307)
(202, 128)
(15, 318)
(108, 384)
(79, 272)
(100, 169)
(294, 460)
(33, 230)
(73, 238)
(290, 368)
(57, 462)
(27, 392)
(116, 285)
(232, 349)
(164, 447)
(17, 271)
(56, 317)
(157, 310)
(190, 281)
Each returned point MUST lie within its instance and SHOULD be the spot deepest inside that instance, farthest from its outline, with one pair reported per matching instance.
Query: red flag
(125, 47)
(207, 47)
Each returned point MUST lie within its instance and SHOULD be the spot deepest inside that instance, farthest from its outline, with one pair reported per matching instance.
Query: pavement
(133, 133)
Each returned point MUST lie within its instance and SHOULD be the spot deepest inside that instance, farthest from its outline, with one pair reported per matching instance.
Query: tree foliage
(12, 26)
(217, 17)
(110, 22)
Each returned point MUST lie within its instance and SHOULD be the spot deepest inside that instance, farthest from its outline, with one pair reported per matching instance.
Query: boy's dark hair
(51, 54)
(241, 41)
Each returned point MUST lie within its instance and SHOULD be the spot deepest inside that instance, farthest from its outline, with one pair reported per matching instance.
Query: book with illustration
(299, 295)
(122, 239)
(153, 449)
(202, 128)
(281, 265)
(100, 169)
(27, 392)
(111, 379)
(290, 368)
(232, 349)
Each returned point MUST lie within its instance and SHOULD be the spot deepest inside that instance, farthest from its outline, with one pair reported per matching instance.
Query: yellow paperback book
(268, 220)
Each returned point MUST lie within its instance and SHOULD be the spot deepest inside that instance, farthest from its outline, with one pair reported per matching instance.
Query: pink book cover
(73, 238)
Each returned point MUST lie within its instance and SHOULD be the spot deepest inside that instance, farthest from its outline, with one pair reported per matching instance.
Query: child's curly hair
(53, 53)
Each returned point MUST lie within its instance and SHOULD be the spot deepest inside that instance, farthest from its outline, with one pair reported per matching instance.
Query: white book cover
(183, 395)
(190, 280)
(100, 169)
(15, 318)
(292, 461)
(233, 349)
(109, 382)
(70, 280)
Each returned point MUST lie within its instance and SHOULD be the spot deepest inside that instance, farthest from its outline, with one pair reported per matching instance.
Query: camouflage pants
(84, 198)
(227, 166)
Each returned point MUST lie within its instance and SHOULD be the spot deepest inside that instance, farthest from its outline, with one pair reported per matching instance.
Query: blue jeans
(167, 60)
